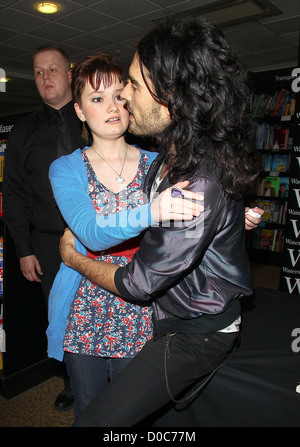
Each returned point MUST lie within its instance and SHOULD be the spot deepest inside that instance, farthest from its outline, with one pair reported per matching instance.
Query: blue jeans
(89, 375)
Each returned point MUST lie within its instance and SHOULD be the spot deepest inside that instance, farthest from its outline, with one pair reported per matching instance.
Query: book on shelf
(3, 144)
(1, 204)
(272, 186)
(280, 163)
(267, 162)
(273, 162)
(283, 187)
(280, 139)
(2, 149)
(2, 337)
(274, 210)
(282, 103)
(267, 239)
(1, 265)
(269, 137)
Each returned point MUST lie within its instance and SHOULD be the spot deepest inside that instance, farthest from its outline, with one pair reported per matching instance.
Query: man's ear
(70, 76)
(79, 112)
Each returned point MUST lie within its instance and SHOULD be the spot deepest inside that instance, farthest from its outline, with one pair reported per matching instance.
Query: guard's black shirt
(28, 200)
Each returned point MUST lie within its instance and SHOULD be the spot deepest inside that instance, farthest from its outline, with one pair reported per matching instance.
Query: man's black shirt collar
(51, 112)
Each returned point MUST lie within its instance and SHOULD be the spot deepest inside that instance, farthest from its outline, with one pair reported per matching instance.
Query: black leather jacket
(195, 271)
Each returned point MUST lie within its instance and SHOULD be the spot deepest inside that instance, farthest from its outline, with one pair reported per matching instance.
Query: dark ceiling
(81, 27)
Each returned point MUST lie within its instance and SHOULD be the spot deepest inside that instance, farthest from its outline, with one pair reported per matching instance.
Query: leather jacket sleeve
(199, 267)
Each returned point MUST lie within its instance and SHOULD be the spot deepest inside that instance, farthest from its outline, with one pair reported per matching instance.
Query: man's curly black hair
(205, 87)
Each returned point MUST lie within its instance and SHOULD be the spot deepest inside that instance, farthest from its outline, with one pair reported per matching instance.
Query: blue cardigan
(69, 182)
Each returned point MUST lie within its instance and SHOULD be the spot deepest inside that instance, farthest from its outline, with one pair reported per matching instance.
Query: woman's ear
(79, 112)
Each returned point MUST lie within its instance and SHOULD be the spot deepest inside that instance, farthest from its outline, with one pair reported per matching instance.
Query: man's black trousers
(166, 366)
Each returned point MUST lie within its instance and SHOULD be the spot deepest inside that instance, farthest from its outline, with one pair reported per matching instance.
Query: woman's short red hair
(95, 69)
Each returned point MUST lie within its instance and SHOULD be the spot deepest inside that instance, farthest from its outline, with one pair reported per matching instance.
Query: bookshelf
(23, 314)
(272, 139)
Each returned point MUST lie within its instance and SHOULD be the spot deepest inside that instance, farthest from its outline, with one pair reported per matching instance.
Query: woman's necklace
(119, 179)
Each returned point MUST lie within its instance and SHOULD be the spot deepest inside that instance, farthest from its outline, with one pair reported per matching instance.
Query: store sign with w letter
(290, 267)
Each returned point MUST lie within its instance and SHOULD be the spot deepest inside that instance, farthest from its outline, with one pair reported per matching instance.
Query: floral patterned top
(100, 323)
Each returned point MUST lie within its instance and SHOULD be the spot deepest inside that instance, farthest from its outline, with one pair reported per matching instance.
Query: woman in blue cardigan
(99, 193)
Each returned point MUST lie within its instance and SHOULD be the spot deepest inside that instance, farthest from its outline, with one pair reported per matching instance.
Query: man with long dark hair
(189, 90)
